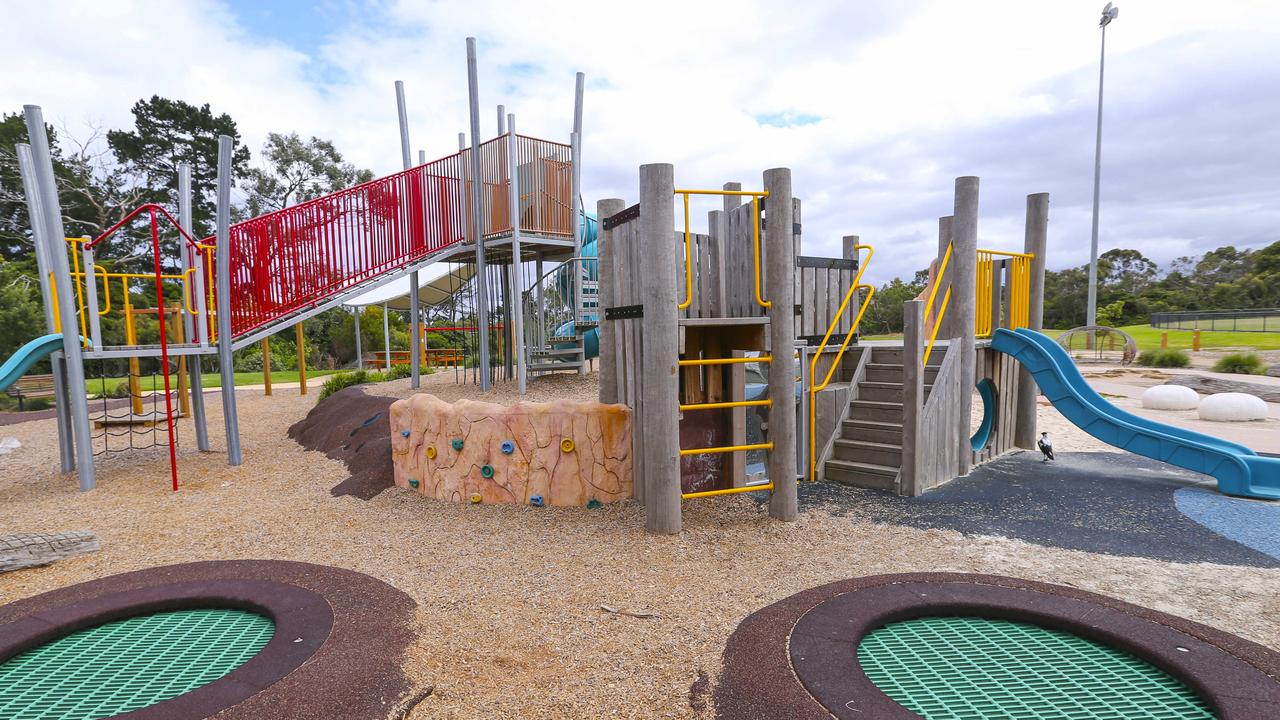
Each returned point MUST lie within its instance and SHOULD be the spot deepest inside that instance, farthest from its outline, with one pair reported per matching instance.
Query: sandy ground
(510, 618)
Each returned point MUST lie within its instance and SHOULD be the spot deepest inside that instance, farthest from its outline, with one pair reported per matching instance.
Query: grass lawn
(1148, 338)
(210, 380)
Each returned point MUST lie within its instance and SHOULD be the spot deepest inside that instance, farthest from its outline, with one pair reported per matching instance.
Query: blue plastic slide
(1238, 470)
(26, 356)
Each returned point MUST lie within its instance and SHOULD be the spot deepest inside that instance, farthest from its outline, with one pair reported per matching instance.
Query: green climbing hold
(457, 443)
(593, 503)
(486, 470)
(413, 483)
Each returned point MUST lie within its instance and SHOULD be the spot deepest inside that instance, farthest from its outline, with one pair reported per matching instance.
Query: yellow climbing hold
(431, 452)
(566, 445)
(476, 498)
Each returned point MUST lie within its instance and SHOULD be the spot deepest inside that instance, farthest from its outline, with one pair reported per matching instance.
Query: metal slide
(21, 361)
(1238, 470)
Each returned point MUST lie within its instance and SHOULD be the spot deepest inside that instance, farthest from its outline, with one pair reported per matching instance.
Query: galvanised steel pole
(1091, 313)
(56, 247)
(477, 214)
(194, 325)
(415, 337)
(222, 284)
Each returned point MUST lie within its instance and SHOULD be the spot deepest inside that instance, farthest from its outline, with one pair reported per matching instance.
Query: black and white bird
(1046, 446)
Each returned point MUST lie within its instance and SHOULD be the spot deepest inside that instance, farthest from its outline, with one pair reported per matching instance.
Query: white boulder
(1232, 407)
(1170, 397)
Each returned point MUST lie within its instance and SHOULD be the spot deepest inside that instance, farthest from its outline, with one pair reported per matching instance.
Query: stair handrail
(942, 310)
(814, 387)
(531, 328)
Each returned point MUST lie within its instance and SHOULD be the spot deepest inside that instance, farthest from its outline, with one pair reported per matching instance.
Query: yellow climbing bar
(942, 310)
(726, 491)
(733, 404)
(1019, 309)
(724, 361)
(755, 237)
(726, 449)
(815, 388)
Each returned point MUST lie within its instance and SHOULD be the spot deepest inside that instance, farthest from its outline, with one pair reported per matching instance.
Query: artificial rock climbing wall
(566, 452)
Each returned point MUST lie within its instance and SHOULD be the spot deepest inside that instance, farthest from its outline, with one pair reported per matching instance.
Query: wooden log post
(964, 259)
(735, 463)
(659, 361)
(1195, 341)
(302, 359)
(608, 298)
(1036, 243)
(1164, 340)
(266, 365)
(910, 480)
(945, 224)
(779, 277)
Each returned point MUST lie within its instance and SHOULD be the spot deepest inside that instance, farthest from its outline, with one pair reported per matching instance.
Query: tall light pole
(1109, 13)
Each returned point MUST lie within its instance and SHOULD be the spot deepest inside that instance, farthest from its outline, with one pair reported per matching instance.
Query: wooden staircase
(868, 451)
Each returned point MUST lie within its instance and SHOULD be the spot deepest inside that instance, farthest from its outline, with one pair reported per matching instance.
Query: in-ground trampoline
(979, 647)
(239, 639)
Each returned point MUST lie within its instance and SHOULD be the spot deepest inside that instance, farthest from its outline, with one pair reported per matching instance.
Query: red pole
(164, 352)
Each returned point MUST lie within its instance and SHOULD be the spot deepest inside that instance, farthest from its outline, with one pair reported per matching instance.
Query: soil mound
(352, 427)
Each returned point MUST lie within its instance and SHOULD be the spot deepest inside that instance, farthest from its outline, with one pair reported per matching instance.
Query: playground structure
(494, 204)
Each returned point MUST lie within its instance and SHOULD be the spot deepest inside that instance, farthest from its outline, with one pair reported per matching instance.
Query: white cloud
(907, 95)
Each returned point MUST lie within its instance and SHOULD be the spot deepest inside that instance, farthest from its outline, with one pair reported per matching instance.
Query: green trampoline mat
(128, 664)
(964, 668)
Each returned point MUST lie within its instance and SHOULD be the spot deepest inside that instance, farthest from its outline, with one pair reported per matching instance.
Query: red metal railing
(295, 258)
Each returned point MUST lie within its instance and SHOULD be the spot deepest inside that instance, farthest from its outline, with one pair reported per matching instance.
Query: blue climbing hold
(404, 433)
(535, 500)
(457, 443)
(508, 447)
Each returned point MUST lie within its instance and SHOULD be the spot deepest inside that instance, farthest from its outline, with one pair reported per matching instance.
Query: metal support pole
(1036, 243)
(359, 352)
(779, 280)
(415, 317)
(517, 256)
(502, 121)
(660, 354)
(40, 233)
(477, 213)
(1091, 310)
(195, 326)
(608, 298)
(386, 335)
(577, 213)
(71, 348)
(964, 260)
(538, 300)
(222, 284)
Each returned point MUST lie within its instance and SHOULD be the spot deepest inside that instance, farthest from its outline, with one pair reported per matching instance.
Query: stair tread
(877, 403)
(555, 366)
(875, 424)
(863, 467)
(885, 384)
(849, 442)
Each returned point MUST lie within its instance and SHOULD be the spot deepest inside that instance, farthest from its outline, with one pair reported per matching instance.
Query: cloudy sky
(875, 105)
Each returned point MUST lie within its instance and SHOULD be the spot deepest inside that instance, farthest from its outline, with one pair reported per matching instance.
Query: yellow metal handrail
(725, 361)
(726, 449)
(946, 299)
(815, 388)
(755, 235)
(730, 404)
(726, 491)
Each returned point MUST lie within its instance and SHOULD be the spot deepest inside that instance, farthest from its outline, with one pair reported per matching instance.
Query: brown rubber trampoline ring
(339, 635)
(797, 658)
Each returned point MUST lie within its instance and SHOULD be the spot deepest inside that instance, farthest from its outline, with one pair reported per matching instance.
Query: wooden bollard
(1164, 340)
(1195, 341)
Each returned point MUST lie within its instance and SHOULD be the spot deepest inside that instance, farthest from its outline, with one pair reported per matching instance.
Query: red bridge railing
(292, 259)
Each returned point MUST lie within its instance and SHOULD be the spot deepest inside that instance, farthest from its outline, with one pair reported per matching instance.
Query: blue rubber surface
(21, 361)
(1249, 522)
(1238, 471)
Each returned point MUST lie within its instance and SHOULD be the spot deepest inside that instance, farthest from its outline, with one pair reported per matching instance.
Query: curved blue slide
(1238, 470)
(21, 361)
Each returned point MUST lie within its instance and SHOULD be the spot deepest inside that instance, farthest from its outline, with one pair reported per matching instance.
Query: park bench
(31, 386)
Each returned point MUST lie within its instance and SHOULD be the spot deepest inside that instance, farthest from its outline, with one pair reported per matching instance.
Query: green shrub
(399, 371)
(38, 403)
(121, 390)
(1241, 364)
(341, 381)
(1164, 358)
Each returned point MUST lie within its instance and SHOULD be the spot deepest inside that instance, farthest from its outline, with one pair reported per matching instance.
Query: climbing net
(128, 417)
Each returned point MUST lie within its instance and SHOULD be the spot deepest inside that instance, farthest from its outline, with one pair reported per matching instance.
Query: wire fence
(1261, 320)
